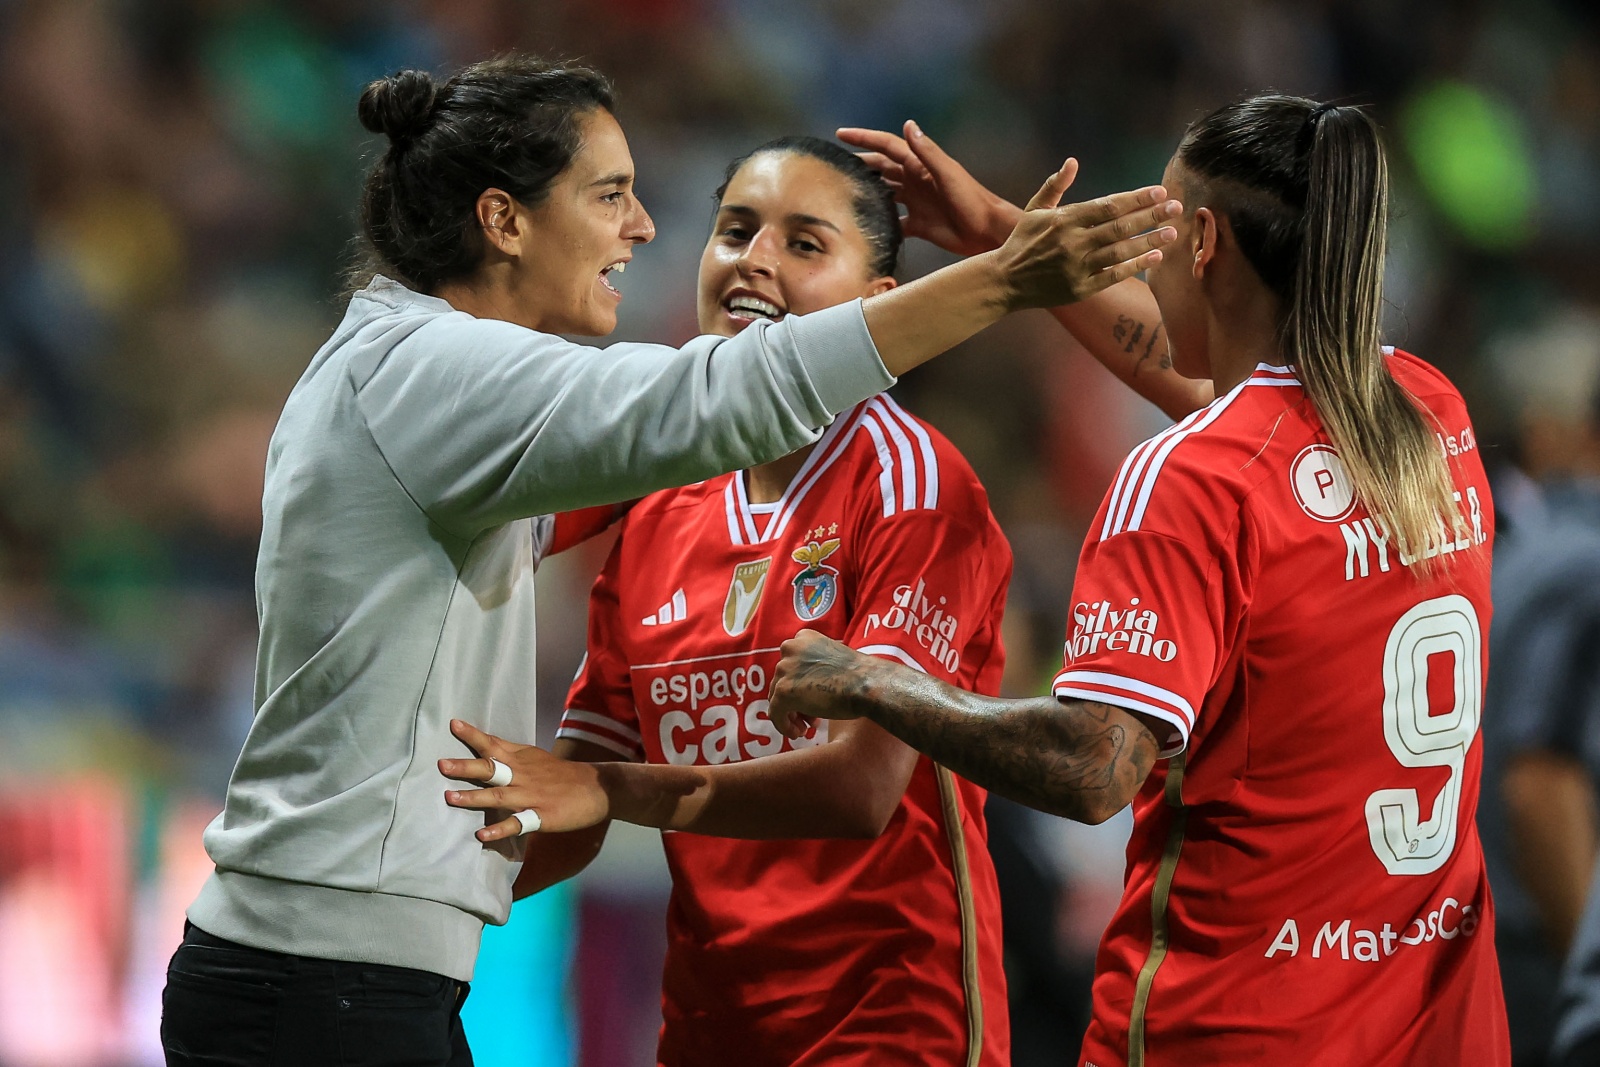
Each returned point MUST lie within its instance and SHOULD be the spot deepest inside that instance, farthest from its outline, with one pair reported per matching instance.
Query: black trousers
(226, 1004)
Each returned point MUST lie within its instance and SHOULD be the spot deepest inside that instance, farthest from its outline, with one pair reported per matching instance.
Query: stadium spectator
(1542, 709)
(1575, 1039)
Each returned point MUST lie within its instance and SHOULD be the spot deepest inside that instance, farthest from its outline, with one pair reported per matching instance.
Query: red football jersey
(808, 951)
(1305, 883)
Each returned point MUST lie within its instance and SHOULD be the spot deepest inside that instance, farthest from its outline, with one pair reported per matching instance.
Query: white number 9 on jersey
(1446, 625)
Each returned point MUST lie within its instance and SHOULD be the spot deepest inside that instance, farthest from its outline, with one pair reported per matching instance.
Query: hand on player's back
(567, 795)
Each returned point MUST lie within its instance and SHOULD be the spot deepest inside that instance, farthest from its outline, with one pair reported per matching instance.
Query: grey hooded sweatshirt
(394, 590)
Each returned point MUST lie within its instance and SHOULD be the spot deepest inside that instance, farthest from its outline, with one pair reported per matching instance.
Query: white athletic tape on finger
(529, 820)
(501, 775)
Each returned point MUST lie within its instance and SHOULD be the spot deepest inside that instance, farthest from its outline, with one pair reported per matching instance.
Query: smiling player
(881, 535)
(876, 940)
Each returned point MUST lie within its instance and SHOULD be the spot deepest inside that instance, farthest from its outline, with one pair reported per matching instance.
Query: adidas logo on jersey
(1099, 627)
(674, 610)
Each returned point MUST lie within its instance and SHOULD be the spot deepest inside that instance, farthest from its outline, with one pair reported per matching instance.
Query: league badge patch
(744, 595)
(816, 587)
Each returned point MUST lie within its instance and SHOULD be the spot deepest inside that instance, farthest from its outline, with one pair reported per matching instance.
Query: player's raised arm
(1050, 256)
(536, 423)
(946, 206)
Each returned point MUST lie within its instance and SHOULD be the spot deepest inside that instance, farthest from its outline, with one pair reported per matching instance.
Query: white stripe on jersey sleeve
(885, 465)
(1133, 685)
(1136, 480)
(1147, 486)
(930, 460)
(1132, 470)
(1130, 693)
(575, 733)
(622, 729)
(908, 458)
(893, 652)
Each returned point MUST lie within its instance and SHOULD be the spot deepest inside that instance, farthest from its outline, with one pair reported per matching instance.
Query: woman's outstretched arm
(945, 205)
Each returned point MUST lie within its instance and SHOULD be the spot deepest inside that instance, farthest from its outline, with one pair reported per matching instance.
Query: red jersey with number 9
(812, 952)
(1305, 883)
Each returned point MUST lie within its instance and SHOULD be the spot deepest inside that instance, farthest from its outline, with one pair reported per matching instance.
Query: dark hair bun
(400, 105)
(513, 123)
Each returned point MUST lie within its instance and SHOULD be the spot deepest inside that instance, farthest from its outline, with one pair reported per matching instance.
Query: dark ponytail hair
(1305, 187)
(872, 201)
(513, 123)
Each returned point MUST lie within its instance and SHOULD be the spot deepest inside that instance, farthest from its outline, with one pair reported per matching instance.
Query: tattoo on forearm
(1165, 361)
(833, 671)
(1128, 332)
(1079, 759)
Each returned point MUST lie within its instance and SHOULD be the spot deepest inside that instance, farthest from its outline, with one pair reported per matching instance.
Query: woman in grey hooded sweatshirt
(395, 578)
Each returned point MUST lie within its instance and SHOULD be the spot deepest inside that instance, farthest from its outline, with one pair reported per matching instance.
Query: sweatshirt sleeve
(484, 421)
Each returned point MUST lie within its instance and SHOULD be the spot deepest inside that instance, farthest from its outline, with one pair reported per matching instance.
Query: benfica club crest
(744, 595)
(816, 587)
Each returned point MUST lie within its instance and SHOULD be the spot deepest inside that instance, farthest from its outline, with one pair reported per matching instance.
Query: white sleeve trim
(575, 715)
(1128, 693)
(575, 733)
(1133, 685)
(892, 652)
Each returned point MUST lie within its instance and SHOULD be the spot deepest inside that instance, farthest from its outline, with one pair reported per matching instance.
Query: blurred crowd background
(177, 184)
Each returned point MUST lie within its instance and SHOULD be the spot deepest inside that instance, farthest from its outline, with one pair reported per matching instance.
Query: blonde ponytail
(1330, 334)
(1317, 238)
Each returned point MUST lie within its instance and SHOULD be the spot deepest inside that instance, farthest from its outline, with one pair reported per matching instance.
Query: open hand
(566, 795)
(1052, 255)
(945, 205)
(1060, 255)
(817, 678)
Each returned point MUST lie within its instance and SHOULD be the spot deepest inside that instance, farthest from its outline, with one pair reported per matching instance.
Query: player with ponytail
(897, 928)
(1277, 634)
(1308, 203)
